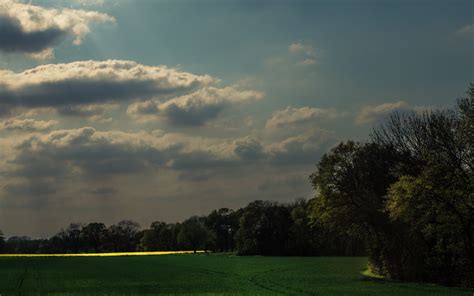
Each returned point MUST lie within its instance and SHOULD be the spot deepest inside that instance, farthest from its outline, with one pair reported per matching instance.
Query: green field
(202, 275)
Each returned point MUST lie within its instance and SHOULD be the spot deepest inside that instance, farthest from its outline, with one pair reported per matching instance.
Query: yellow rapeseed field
(103, 254)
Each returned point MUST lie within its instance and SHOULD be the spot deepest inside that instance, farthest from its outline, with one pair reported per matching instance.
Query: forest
(404, 198)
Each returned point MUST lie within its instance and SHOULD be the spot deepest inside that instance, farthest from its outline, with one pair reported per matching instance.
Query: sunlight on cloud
(36, 30)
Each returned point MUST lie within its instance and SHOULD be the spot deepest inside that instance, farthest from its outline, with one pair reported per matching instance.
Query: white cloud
(16, 124)
(299, 47)
(308, 53)
(35, 30)
(370, 114)
(466, 30)
(305, 148)
(292, 115)
(196, 108)
(91, 2)
(93, 82)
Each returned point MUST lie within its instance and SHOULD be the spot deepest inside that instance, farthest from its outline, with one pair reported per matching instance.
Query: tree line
(405, 198)
(260, 228)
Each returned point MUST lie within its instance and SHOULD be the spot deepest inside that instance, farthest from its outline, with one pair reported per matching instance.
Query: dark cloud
(192, 114)
(14, 39)
(33, 188)
(303, 149)
(82, 151)
(196, 175)
(69, 88)
(196, 108)
(35, 30)
(249, 149)
(32, 193)
(198, 160)
(79, 91)
(103, 191)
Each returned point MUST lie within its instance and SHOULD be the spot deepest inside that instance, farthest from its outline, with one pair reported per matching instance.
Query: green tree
(409, 191)
(224, 224)
(436, 200)
(351, 183)
(195, 235)
(264, 229)
(160, 237)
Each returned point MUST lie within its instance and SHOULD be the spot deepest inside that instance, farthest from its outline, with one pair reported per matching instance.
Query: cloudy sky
(158, 110)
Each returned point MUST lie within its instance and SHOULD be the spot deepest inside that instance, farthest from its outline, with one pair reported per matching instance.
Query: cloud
(467, 30)
(371, 114)
(80, 169)
(84, 151)
(35, 30)
(89, 153)
(199, 160)
(33, 193)
(292, 116)
(249, 149)
(306, 148)
(28, 125)
(14, 39)
(307, 52)
(104, 191)
(96, 113)
(64, 86)
(196, 108)
(38, 188)
(91, 2)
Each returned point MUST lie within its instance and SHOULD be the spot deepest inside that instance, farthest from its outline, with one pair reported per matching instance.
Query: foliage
(224, 223)
(195, 235)
(409, 192)
(264, 229)
(94, 235)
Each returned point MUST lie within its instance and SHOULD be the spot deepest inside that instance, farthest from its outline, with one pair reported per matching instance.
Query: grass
(200, 274)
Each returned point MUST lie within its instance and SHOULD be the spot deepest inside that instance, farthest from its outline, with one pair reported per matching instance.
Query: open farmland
(200, 274)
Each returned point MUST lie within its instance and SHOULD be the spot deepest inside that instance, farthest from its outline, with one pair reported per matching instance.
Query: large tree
(160, 237)
(123, 236)
(409, 191)
(194, 235)
(436, 198)
(94, 235)
(264, 229)
(223, 223)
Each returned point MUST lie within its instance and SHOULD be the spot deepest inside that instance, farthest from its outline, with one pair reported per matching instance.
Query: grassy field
(200, 274)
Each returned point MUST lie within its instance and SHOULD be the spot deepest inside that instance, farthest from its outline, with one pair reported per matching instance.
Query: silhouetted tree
(94, 235)
(160, 237)
(123, 236)
(264, 229)
(435, 200)
(193, 234)
(224, 224)
(2, 242)
(69, 239)
(22, 244)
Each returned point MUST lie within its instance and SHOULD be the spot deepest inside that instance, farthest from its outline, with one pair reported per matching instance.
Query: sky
(159, 110)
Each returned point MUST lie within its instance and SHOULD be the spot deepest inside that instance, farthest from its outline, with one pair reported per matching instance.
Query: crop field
(200, 274)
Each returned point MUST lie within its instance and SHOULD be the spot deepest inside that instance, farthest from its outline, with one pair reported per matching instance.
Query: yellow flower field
(103, 254)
